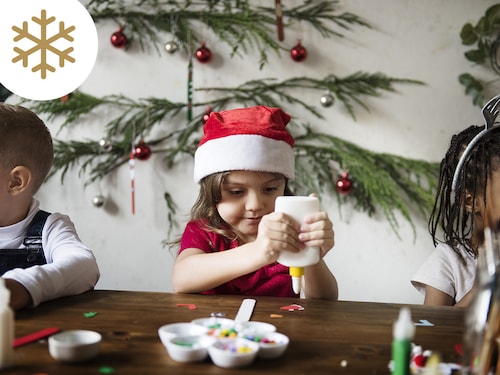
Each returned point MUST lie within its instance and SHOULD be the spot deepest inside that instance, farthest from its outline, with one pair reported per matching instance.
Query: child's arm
(71, 266)
(436, 297)
(196, 271)
(319, 282)
(19, 296)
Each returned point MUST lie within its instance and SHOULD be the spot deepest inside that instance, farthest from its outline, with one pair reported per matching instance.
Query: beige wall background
(410, 39)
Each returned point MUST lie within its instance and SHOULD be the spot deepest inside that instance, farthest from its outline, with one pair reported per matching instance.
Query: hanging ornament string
(279, 20)
(172, 46)
(299, 52)
(190, 90)
(190, 82)
(131, 164)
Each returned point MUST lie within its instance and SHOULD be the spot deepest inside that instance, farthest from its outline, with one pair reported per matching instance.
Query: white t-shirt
(71, 266)
(444, 270)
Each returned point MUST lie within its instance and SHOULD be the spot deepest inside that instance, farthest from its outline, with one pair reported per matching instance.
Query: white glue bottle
(6, 327)
(298, 207)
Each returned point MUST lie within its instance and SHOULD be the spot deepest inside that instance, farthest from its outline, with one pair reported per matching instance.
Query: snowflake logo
(44, 44)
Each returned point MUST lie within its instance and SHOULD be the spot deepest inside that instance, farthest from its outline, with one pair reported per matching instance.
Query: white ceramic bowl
(75, 345)
(272, 345)
(214, 324)
(230, 353)
(253, 328)
(189, 348)
(168, 331)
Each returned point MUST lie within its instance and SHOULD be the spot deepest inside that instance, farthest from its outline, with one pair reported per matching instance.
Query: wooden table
(323, 337)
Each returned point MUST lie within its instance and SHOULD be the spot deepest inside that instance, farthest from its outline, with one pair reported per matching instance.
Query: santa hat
(252, 139)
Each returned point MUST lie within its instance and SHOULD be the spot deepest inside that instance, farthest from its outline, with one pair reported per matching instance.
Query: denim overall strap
(32, 254)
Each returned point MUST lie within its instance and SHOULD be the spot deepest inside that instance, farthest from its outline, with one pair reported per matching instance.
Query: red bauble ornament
(142, 151)
(298, 53)
(119, 39)
(344, 184)
(206, 115)
(203, 54)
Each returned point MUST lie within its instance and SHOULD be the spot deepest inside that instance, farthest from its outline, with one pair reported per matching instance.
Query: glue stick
(403, 333)
(298, 207)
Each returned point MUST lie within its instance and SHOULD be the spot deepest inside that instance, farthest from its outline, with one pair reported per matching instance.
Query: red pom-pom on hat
(253, 139)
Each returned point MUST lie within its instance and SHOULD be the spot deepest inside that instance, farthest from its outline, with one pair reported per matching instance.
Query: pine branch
(234, 22)
(348, 90)
(381, 179)
(388, 182)
(318, 14)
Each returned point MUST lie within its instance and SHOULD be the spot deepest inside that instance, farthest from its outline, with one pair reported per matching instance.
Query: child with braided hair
(457, 220)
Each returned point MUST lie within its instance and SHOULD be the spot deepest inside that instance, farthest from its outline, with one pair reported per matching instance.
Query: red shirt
(270, 280)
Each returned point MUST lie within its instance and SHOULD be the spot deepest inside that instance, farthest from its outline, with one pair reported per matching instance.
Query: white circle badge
(47, 48)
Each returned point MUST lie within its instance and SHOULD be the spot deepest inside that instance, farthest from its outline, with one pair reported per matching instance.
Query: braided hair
(450, 213)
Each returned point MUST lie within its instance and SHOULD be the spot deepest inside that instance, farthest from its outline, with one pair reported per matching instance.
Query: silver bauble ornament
(171, 46)
(105, 145)
(326, 100)
(98, 200)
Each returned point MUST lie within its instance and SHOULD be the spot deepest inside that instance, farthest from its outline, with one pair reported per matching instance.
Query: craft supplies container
(271, 344)
(215, 325)
(189, 348)
(298, 207)
(234, 352)
(74, 345)
(6, 327)
(168, 331)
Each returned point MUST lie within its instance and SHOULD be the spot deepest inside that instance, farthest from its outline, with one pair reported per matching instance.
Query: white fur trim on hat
(244, 152)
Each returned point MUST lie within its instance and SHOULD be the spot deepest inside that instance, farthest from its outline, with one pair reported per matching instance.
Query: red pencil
(35, 336)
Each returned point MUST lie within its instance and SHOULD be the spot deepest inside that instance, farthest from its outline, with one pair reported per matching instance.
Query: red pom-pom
(419, 360)
(206, 115)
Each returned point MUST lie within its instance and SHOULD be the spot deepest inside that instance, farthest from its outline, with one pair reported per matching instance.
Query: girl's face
(246, 197)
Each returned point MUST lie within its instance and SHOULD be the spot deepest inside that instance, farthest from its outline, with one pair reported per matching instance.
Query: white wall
(410, 39)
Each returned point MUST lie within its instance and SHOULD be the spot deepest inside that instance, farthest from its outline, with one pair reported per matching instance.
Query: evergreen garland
(382, 180)
(389, 182)
(235, 23)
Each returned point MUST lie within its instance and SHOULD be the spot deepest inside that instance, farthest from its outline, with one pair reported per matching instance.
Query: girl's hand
(277, 232)
(317, 230)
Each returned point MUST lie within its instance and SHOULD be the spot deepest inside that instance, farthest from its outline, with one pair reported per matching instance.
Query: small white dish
(189, 348)
(74, 345)
(272, 345)
(230, 353)
(215, 325)
(168, 331)
(254, 328)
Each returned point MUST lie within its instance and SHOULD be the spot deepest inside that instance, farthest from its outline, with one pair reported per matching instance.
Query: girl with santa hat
(234, 238)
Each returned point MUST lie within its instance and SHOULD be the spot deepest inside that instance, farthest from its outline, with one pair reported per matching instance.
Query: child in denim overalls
(41, 255)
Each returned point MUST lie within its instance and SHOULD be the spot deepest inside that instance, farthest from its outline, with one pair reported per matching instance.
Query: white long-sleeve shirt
(71, 266)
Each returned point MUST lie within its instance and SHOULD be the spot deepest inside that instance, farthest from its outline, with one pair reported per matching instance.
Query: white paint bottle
(298, 207)
(6, 327)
